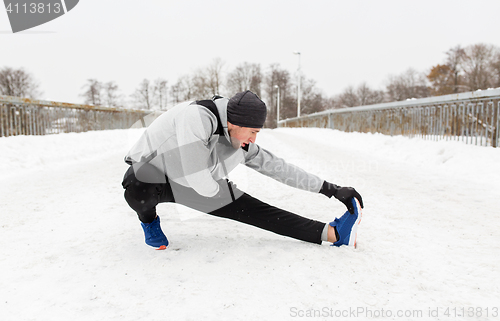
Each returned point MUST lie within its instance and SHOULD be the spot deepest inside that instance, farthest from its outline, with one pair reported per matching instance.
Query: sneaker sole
(354, 232)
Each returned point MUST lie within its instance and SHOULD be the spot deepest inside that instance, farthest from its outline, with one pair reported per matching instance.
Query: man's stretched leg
(236, 205)
(230, 203)
(250, 210)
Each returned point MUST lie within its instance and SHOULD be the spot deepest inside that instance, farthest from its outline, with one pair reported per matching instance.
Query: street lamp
(277, 107)
(298, 89)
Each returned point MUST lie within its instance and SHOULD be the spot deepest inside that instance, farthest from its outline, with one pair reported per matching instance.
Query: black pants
(145, 192)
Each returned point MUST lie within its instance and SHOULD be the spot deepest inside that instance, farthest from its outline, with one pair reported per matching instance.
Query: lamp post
(298, 87)
(277, 107)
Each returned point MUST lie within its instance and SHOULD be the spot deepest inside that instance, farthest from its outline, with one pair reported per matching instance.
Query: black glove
(343, 194)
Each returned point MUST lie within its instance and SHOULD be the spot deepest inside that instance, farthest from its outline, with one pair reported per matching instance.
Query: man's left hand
(343, 194)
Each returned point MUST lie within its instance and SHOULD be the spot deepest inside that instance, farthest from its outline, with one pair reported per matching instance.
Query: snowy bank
(428, 243)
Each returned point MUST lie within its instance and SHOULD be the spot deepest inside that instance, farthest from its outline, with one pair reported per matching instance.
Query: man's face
(242, 136)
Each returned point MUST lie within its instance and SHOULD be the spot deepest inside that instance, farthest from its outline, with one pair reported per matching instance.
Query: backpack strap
(210, 105)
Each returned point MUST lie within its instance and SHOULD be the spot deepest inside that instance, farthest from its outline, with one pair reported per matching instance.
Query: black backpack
(210, 105)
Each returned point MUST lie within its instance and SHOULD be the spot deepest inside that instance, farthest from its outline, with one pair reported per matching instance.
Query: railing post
(12, 120)
(462, 121)
(481, 122)
(446, 122)
(496, 143)
(1, 121)
(474, 124)
(453, 131)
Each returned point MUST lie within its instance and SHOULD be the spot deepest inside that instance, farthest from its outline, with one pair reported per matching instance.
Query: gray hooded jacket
(182, 144)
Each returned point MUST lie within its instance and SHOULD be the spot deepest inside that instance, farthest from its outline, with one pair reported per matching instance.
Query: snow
(71, 248)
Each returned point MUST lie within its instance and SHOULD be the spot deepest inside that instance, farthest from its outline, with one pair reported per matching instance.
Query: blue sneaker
(347, 226)
(154, 234)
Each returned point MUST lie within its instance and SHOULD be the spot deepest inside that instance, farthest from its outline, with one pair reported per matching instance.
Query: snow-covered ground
(428, 244)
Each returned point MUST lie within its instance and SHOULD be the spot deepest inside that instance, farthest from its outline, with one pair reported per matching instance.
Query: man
(185, 155)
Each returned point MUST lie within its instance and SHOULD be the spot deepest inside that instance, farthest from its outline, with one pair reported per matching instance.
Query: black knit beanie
(246, 109)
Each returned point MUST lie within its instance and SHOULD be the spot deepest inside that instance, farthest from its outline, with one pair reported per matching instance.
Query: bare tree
(110, 94)
(352, 97)
(176, 91)
(495, 68)
(214, 76)
(183, 89)
(160, 89)
(207, 81)
(144, 95)
(92, 93)
(18, 83)
(368, 96)
(312, 100)
(277, 77)
(332, 102)
(409, 84)
(246, 76)
(201, 85)
(349, 97)
(454, 60)
(476, 64)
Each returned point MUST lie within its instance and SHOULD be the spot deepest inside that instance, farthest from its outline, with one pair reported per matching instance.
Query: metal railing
(23, 116)
(471, 117)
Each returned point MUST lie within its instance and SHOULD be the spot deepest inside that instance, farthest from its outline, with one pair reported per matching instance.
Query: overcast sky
(342, 42)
